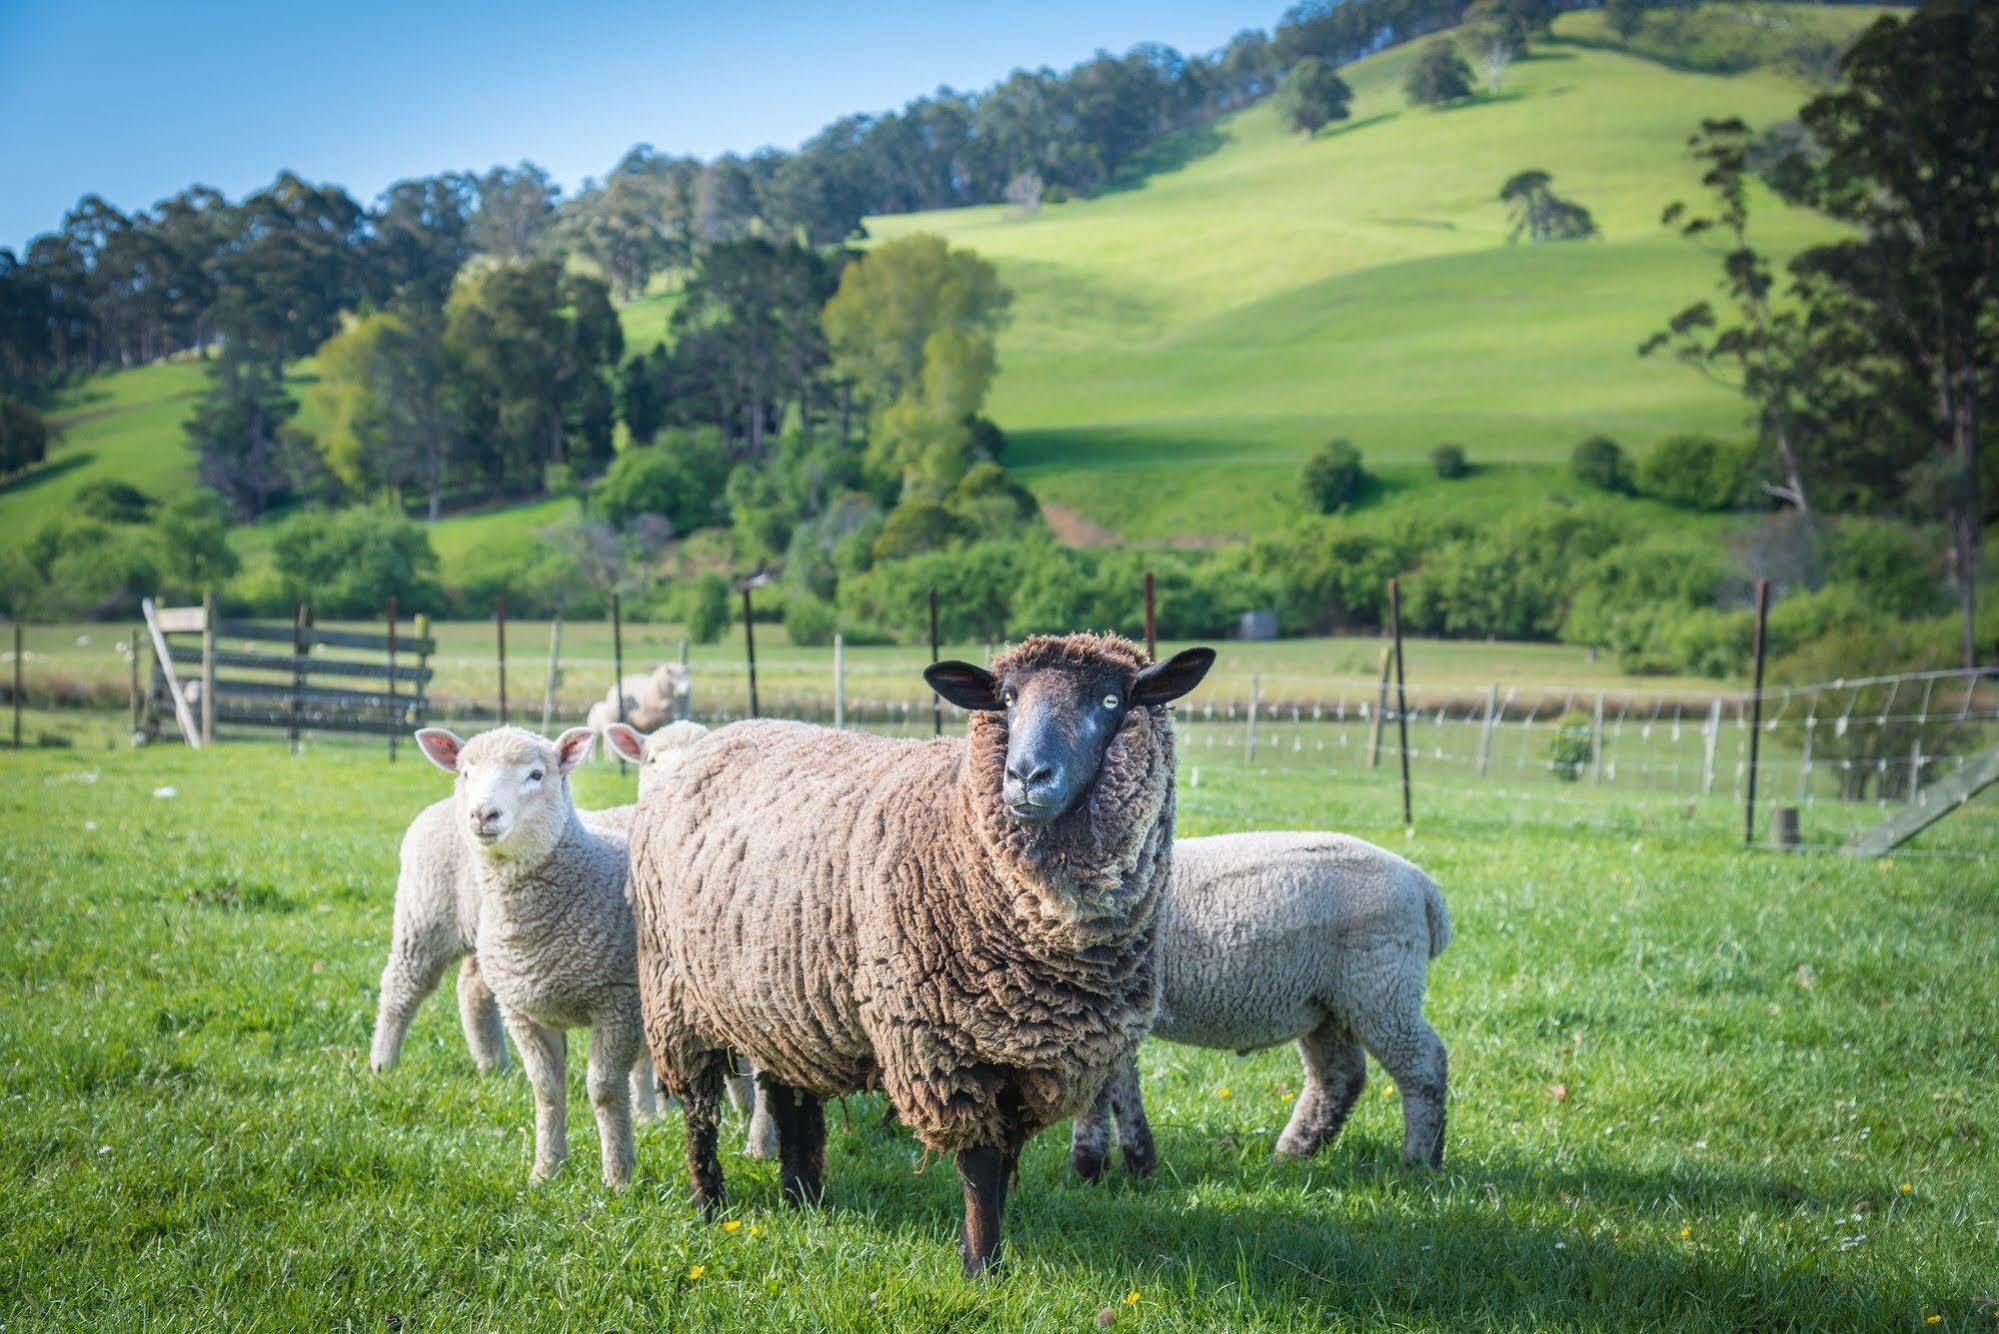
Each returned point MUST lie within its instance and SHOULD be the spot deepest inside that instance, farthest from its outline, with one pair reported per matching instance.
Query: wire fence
(1842, 753)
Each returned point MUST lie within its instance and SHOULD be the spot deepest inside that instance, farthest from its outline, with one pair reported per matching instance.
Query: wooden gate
(208, 670)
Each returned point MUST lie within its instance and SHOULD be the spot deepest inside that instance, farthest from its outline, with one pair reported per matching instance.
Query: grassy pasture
(1692, 1088)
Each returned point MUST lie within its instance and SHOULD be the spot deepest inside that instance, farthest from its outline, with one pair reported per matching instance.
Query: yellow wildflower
(1906, 1188)
(1686, 1232)
(1222, 1092)
(695, 1271)
(732, 1225)
(1131, 1298)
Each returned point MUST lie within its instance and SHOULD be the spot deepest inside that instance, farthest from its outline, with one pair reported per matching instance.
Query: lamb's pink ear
(624, 739)
(573, 747)
(440, 746)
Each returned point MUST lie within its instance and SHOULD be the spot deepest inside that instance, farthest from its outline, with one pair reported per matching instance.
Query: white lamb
(1270, 937)
(437, 924)
(556, 940)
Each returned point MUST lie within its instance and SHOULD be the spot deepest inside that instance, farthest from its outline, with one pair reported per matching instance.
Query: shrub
(1694, 472)
(919, 526)
(808, 621)
(113, 501)
(79, 568)
(351, 562)
(1708, 642)
(1333, 478)
(24, 435)
(1896, 567)
(1437, 75)
(1572, 746)
(704, 608)
(990, 502)
(677, 479)
(194, 543)
(1598, 462)
(1449, 461)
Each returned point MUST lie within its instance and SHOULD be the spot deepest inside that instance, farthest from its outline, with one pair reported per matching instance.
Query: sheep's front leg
(1335, 1074)
(614, 1050)
(985, 1173)
(479, 1017)
(545, 1057)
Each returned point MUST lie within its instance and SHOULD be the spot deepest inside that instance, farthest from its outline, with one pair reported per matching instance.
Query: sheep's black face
(1061, 719)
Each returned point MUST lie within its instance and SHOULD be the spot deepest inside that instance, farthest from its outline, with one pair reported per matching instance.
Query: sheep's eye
(1010, 698)
(1110, 701)
(534, 775)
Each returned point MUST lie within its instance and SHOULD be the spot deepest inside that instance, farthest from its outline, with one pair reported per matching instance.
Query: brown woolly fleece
(853, 911)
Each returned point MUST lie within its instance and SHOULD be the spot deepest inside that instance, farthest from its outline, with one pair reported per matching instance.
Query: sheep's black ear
(966, 686)
(624, 740)
(1164, 682)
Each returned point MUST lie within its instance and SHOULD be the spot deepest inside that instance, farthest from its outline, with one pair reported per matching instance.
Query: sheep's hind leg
(1090, 1136)
(1335, 1074)
(1134, 1132)
(801, 1140)
(407, 980)
(1410, 1050)
(985, 1173)
(479, 1017)
(614, 1051)
(700, 1097)
(545, 1057)
(644, 1088)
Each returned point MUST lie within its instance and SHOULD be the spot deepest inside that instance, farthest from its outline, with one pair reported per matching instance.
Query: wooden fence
(210, 671)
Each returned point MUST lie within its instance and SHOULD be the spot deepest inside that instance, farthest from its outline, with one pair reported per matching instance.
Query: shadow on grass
(43, 472)
(1354, 1233)
(1168, 155)
(1346, 127)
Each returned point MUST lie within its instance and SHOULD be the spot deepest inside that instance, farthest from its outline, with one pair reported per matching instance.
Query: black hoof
(1089, 1166)
(1141, 1164)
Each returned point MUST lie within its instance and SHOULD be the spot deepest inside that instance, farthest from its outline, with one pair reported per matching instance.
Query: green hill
(1179, 347)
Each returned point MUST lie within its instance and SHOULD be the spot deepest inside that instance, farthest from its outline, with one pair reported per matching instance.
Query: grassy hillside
(1192, 339)
(1179, 347)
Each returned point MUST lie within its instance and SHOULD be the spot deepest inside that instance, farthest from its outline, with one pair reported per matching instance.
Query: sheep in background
(652, 700)
(1266, 938)
(964, 923)
(556, 942)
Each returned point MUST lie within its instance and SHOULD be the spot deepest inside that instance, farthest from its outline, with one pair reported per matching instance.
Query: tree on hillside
(913, 327)
(388, 404)
(516, 205)
(293, 259)
(1437, 75)
(1908, 157)
(24, 435)
(533, 346)
(758, 304)
(421, 234)
(248, 454)
(1539, 213)
(1626, 18)
(1764, 354)
(1312, 94)
(1497, 36)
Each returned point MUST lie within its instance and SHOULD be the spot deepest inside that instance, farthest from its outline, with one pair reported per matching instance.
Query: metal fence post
(618, 667)
(554, 657)
(936, 700)
(393, 720)
(1380, 714)
(1485, 728)
(500, 625)
(19, 653)
(750, 648)
(1255, 707)
(207, 666)
(1756, 711)
(1151, 620)
(1401, 700)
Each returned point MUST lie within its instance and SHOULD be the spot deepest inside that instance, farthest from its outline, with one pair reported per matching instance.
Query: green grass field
(1692, 1088)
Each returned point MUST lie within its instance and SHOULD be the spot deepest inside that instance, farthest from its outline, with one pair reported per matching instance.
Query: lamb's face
(509, 780)
(1065, 700)
(658, 755)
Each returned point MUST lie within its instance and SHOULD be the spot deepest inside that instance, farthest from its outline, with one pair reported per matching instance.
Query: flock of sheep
(984, 928)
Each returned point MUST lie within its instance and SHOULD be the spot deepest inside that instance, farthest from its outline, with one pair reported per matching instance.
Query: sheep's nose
(1030, 772)
(485, 818)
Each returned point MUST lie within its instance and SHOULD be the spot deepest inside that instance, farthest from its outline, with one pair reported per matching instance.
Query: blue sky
(133, 101)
